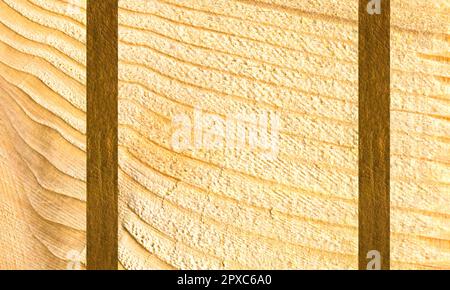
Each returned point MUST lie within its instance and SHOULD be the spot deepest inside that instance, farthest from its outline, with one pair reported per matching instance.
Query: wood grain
(234, 209)
(420, 170)
(102, 201)
(220, 209)
(374, 133)
(42, 135)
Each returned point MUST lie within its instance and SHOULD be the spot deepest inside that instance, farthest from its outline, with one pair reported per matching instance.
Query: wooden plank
(223, 56)
(102, 219)
(233, 208)
(420, 130)
(42, 135)
(213, 209)
(374, 143)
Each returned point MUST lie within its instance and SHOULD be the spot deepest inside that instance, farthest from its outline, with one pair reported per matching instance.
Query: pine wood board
(203, 209)
(42, 133)
(211, 209)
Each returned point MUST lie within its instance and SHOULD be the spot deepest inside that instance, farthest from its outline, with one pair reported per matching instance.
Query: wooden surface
(374, 145)
(42, 135)
(234, 209)
(420, 144)
(102, 202)
(214, 208)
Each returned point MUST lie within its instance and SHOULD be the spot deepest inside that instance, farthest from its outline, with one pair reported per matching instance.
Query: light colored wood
(215, 209)
(420, 131)
(42, 134)
(212, 209)
(221, 209)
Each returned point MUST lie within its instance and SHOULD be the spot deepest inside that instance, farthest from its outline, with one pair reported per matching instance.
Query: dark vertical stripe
(102, 83)
(374, 118)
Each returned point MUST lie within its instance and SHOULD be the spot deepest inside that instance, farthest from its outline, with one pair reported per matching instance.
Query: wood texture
(102, 200)
(374, 125)
(42, 135)
(420, 148)
(234, 209)
(220, 209)
(216, 209)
